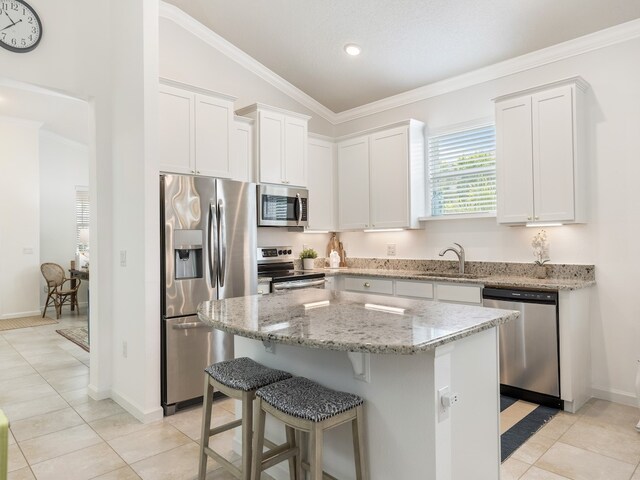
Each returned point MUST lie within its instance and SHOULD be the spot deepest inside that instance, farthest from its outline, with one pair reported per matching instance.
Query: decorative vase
(540, 271)
(307, 263)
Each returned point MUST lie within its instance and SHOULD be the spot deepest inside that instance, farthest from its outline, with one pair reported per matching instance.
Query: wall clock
(20, 26)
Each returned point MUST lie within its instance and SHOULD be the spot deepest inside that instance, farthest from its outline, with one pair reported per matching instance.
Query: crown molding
(578, 46)
(173, 13)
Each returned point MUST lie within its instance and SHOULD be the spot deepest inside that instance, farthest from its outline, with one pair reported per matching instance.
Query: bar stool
(306, 407)
(239, 379)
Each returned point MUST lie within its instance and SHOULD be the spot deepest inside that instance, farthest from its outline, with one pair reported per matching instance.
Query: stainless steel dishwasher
(529, 346)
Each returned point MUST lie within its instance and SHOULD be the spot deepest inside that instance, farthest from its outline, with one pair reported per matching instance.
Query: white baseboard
(147, 416)
(80, 304)
(98, 394)
(277, 472)
(613, 395)
(9, 316)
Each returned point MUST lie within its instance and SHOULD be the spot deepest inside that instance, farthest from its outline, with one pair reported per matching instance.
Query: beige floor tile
(79, 465)
(223, 444)
(533, 448)
(178, 464)
(124, 473)
(12, 439)
(47, 423)
(59, 443)
(607, 440)
(116, 425)
(21, 474)
(24, 394)
(33, 407)
(62, 373)
(535, 473)
(70, 383)
(601, 412)
(514, 413)
(228, 404)
(97, 409)
(579, 464)
(558, 425)
(76, 397)
(16, 458)
(513, 469)
(221, 474)
(16, 371)
(14, 363)
(636, 475)
(150, 441)
(22, 382)
(190, 422)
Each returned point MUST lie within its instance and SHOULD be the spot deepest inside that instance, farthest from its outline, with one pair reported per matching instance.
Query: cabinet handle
(198, 172)
(536, 218)
(528, 218)
(366, 285)
(193, 171)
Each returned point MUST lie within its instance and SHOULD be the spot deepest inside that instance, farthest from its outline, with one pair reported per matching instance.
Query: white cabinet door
(321, 185)
(553, 155)
(389, 178)
(242, 152)
(212, 133)
(271, 145)
(295, 151)
(514, 160)
(176, 140)
(353, 184)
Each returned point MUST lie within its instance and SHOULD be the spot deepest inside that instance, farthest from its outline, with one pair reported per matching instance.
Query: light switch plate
(391, 249)
(123, 258)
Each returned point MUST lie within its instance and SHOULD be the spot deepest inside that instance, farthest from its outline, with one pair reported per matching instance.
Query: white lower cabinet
(406, 288)
(453, 292)
(368, 285)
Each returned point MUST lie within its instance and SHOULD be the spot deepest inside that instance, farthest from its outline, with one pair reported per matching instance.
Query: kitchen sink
(450, 275)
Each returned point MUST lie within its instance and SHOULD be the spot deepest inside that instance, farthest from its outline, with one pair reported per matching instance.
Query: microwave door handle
(298, 209)
(213, 242)
(222, 228)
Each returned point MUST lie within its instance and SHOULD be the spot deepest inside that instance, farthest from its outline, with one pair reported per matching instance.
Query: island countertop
(350, 322)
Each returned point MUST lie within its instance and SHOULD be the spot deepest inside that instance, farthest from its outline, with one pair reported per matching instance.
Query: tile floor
(58, 432)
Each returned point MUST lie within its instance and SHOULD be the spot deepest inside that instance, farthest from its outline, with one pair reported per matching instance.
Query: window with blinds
(82, 218)
(462, 172)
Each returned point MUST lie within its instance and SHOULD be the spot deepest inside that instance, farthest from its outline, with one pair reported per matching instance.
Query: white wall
(64, 165)
(19, 218)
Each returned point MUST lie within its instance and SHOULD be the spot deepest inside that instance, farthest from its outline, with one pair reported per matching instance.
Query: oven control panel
(275, 254)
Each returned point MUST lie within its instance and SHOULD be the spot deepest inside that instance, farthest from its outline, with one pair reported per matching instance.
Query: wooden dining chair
(57, 293)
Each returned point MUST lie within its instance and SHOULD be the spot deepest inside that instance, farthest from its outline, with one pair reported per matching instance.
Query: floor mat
(79, 336)
(24, 322)
(513, 438)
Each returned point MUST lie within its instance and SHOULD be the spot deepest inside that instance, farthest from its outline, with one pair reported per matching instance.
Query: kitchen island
(401, 356)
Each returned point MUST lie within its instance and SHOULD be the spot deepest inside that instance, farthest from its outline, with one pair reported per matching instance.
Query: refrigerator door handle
(222, 251)
(190, 325)
(213, 242)
(298, 209)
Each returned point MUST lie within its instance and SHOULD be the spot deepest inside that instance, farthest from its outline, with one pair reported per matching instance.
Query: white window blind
(82, 216)
(462, 172)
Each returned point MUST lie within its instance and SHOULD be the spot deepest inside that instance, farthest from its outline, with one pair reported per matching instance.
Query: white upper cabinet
(321, 165)
(381, 178)
(195, 130)
(281, 141)
(242, 156)
(540, 156)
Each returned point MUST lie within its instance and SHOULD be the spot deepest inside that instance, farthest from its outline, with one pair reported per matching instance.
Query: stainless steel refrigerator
(208, 245)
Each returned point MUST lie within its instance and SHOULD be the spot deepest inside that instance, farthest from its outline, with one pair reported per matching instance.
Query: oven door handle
(298, 284)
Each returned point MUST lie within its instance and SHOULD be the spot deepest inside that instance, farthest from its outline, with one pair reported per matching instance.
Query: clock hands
(12, 22)
(9, 26)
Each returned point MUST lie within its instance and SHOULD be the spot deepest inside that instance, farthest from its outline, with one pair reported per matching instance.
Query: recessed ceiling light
(352, 49)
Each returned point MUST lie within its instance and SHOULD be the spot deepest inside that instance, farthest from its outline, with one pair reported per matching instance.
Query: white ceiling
(59, 114)
(406, 43)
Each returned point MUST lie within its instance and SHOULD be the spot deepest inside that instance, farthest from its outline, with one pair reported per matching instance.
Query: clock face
(20, 27)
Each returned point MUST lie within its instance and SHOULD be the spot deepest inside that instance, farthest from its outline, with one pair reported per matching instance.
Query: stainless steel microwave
(282, 206)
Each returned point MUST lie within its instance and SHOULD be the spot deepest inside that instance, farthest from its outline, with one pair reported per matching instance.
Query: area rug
(517, 435)
(79, 336)
(24, 322)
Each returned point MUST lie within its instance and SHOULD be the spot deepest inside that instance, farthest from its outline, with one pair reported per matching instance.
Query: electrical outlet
(125, 349)
(123, 258)
(391, 249)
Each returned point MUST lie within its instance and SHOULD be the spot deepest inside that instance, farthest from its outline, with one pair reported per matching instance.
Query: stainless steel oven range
(276, 264)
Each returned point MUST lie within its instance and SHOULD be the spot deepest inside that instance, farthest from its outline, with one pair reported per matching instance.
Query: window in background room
(462, 172)
(82, 218)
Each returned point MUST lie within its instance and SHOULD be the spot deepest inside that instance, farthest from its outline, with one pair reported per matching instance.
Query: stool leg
(207, 404)
(358, 445)
(258, 440)
(315, 454)
(293, 461)
(247, 434)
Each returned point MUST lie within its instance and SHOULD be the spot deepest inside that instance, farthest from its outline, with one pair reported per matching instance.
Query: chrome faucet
(459, 253)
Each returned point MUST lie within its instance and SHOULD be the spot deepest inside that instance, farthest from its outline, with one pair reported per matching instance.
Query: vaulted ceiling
(405, 43)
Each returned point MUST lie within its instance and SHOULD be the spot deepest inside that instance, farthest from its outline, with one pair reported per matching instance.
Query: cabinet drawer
(414, 289)
(368, 285)
(458, 293)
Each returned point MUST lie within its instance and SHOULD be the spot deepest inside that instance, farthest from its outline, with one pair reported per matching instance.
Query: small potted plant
(541, 252)
(308, 255)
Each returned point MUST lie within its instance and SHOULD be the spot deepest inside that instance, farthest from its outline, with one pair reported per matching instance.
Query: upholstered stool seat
(238, 378)
(306, 407)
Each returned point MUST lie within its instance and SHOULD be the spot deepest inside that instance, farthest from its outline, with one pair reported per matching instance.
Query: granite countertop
(345, 324)
(502, 281)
